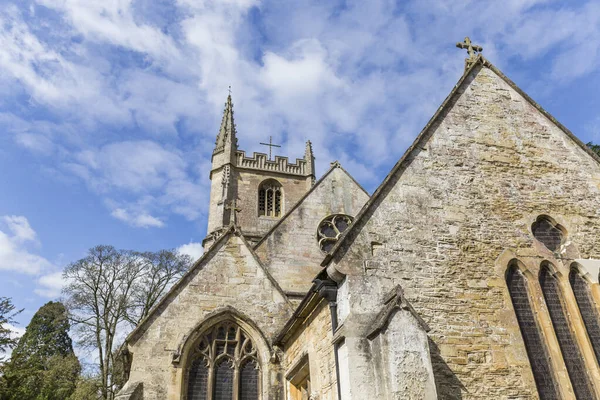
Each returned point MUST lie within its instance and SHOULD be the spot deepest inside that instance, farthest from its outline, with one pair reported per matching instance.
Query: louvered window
(532, 337)
(587, 308)
(224, 366)
(566, 339)
(270, 199)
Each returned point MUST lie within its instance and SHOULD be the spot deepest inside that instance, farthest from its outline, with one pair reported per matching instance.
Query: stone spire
(310, 160)
(227, 133)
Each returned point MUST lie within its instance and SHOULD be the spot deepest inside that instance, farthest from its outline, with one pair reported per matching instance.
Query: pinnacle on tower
(227, 132)
(308, 151)
(309, 156)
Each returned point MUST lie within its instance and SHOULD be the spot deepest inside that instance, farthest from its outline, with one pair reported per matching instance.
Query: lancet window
(270, 199)
(566, 339)
(224, 366)
(532, 336)
(587, 308)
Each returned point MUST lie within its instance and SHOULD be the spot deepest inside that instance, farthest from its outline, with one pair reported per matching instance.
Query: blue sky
(109, 108)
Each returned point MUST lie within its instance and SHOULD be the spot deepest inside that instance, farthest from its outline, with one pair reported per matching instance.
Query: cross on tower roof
(234, 209)
(271, 145)
(472, 50)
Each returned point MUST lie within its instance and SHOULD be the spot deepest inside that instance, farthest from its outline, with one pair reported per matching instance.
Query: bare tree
(109, 291)
(161, 270)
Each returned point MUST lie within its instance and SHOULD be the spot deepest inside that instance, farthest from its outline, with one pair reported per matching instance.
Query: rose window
(330, 230)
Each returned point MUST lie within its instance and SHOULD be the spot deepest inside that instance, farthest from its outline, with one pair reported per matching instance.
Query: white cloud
(360, 81)
(50, 285)
(192, 249)
(141, 220)
(20, 228)
(15, 254)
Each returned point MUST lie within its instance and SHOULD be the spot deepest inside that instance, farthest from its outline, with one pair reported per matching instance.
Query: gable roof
(445, 106)
(181, 283)
(334, 165)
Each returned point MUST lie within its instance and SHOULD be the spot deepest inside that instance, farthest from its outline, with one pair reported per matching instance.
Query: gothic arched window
(566, 340)
(547, 231)
(587, 308)
(223, 366)
(532, 336)
(270, 198)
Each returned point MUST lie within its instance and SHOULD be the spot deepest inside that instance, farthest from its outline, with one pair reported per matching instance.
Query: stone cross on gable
(472, 50)
(232, 207)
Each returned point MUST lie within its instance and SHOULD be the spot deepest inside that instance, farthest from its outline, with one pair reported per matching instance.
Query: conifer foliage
(43, 365)
(7, 314)
(594, 147)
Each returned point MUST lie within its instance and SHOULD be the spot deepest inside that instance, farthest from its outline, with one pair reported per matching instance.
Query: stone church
(470, 273)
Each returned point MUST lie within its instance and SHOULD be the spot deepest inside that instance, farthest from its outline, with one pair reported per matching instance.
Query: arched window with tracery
(566, 339)
(587, 309)
(223, 365)
(532, 336)
(270, 199)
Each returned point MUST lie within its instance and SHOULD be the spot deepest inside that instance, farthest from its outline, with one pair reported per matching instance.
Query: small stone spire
(310, 160)
(227, 132)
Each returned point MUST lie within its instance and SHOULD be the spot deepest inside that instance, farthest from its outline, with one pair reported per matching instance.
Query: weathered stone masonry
(471, 188)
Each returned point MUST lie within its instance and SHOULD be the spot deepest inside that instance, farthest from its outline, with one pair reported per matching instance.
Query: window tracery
(330, 229)
(270, 198)
(548, 232)
(224, 365)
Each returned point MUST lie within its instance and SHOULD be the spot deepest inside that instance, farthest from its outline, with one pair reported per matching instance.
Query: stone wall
(291, 251)
(314, 339)
(227, 279)
(246, 187)
(468, 193)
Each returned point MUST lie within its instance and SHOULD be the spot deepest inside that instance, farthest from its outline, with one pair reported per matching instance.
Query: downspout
(327, 289)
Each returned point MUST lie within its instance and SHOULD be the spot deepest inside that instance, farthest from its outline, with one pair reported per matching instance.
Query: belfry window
(224, 366)
(548, 232)
(587, 308)
(532, 336)
(566, 340)
(270, 198)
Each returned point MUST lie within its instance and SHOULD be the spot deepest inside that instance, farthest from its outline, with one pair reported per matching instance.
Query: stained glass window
(566, 339)
(224, 366)
(532, 336)
(587, 308)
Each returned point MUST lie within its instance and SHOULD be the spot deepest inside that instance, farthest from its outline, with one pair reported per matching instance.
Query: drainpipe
(327, 289)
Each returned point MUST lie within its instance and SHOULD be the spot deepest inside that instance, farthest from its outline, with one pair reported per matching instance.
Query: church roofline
(334, 165)
(212, 250)
(479, 61)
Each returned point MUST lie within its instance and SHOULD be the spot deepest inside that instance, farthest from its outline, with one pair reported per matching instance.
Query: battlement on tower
(260, 161)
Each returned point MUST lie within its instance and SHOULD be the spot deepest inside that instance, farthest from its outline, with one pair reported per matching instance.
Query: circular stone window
(330, 229)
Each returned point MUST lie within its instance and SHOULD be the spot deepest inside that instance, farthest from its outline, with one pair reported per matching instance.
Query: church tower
(254, 192)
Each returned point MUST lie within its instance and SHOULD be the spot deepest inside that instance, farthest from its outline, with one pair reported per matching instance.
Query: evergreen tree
(7, 314)
(43, 365)
(594, 147)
